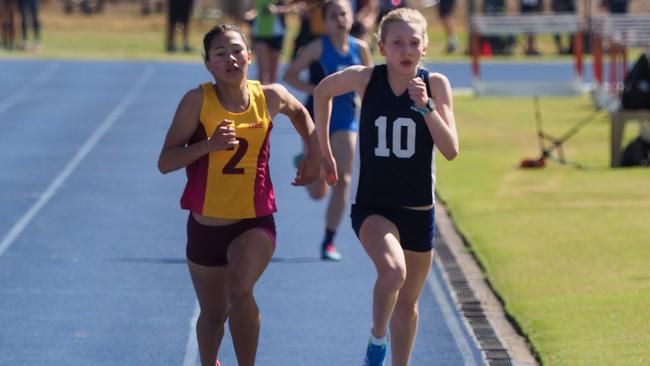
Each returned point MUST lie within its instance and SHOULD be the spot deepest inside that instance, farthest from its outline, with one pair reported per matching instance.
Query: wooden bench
(619, 119)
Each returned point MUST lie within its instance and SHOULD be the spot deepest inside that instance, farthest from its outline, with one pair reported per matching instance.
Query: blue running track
(92, 261)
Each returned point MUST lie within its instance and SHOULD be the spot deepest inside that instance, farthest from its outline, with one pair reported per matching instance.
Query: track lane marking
(58, 181)
(451, 320)
(191, 350)
(27, 89)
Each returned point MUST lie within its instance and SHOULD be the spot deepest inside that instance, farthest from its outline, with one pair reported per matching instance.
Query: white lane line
(27, 89)
(54, 186)
(191, 349)
(452, 321)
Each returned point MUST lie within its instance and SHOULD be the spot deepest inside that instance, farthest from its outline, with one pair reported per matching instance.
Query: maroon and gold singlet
(232, 184)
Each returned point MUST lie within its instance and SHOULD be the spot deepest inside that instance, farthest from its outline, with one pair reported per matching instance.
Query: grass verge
(566, 249)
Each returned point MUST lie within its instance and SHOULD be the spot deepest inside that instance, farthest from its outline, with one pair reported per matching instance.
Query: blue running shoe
(375, 354)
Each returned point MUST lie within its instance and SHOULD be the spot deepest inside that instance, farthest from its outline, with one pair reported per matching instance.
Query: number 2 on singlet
(231, 165)
(398, 150)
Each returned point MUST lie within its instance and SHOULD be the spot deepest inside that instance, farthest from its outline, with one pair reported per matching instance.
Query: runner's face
(403, 46)
(228, 57)
(338, 18)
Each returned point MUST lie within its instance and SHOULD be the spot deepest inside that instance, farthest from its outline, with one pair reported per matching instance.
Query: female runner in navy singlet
(406, 114)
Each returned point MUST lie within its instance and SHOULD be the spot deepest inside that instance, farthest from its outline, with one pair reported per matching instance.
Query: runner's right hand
(224, 137)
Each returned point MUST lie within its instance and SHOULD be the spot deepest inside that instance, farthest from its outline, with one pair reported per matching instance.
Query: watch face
(431, 104)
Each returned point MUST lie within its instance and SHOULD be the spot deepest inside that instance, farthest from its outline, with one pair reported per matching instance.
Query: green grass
(566, 249)
(98, 44)
(119, 33)
(122, 33)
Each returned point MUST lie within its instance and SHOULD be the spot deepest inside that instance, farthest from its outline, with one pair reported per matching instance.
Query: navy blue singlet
(395, 147)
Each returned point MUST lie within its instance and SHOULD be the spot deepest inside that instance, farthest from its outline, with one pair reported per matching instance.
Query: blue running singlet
(344, 109)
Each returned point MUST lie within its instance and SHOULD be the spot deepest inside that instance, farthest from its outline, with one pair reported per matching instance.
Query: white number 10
(397, 148)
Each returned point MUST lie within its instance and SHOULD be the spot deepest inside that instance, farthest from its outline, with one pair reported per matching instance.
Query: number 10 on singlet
(400, 124)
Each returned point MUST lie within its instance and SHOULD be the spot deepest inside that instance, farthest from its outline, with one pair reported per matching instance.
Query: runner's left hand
(308, 169)
(417, 90)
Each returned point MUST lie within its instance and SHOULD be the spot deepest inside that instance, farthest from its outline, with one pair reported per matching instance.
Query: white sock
(378, 341)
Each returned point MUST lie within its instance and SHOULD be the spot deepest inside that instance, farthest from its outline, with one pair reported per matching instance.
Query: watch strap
(428, 108)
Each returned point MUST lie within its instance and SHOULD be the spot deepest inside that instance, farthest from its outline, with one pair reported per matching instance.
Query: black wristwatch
(429, 107)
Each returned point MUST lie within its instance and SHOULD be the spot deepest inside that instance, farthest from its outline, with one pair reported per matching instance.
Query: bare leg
(248, 255)
(186, 36)
(343, 148)
(263, 55)
(404, 322)
(530, 43)
(171, 30)
(210, 286)
(448, 27)
(274, 63)
(380, 239)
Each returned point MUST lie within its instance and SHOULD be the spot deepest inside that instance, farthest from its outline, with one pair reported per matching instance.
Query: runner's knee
(239, 290)
(344, 181)
(212, 318)
(406, 309)
(392, 277)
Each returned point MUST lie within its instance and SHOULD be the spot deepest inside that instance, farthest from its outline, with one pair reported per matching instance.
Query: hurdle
(612, 35)
(505, 25)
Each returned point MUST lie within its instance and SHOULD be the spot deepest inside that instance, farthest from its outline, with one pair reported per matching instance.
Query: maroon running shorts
(208, 245)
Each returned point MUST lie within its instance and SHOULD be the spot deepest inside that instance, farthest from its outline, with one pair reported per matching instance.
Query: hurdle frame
(615, 33)
(506, 24)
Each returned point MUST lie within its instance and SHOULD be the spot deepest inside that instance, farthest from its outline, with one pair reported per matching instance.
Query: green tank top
(266, 25)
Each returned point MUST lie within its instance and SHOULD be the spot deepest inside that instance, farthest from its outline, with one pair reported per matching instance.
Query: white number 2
(397, 148)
